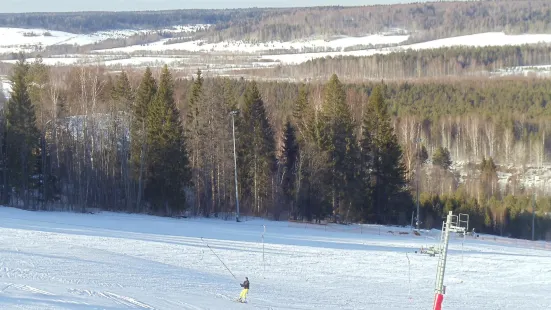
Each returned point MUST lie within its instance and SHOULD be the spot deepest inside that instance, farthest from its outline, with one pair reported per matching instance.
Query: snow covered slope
(271, 53)
(20, 39)
(115, 261)
(243, 47)
(475, 40)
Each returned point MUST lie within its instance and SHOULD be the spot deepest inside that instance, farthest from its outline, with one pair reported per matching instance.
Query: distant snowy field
(115, 261)
(20, 39)
(263, 54)
(476, 40)
(244, 47)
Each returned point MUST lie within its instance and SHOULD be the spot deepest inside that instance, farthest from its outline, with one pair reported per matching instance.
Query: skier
(243, 295)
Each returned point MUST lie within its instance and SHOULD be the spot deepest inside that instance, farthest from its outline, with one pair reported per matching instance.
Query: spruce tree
(257, 148)
(193, 132)
(488, 178)
(366, 165)
(3, 155)
(139, 148)
(289, 160)
(169, 171)
(122, 92)
(22, 136)
(388, 171)
(338, 140)
(302, 115)
(442, 158)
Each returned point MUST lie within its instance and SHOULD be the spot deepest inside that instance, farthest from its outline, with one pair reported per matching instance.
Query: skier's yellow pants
(243, 295)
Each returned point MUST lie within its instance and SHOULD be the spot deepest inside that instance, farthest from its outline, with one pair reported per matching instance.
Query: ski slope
(116, 261)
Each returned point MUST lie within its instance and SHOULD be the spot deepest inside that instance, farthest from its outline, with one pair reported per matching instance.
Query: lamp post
(417, 141)
(233, 114)
(534, 197)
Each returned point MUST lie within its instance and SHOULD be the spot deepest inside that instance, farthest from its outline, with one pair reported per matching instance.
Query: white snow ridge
(115, 261)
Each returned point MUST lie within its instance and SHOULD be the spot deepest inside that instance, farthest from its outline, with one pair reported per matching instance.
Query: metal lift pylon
(453, 223)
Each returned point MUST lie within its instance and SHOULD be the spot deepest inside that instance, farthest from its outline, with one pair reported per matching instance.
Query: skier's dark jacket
(245, 284)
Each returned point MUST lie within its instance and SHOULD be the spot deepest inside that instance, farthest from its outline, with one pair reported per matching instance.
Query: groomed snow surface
(115, 261)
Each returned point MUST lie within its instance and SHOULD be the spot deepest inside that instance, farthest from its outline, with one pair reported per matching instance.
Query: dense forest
(82, 138)
(424, 21)
(441, 62)
(87, 22)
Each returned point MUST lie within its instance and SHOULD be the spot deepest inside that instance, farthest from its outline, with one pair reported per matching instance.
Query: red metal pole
(438, 301)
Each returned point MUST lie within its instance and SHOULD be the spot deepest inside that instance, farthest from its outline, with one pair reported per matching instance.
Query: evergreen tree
(312, 194)
(338, 140)
(366, 165)
(22, 136)
(169, 171)
(3, 156)
(289, 161)
(488, 178)
(388, 171)
(442, 158)
(257, 148)
(194, 133)
(195, 100)
(36, 78)
(122, 92)
(139, 148)
(422, 155)
(302, 115)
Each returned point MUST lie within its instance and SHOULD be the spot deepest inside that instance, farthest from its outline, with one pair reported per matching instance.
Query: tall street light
(233, 114)
(534, 197)
(417, 142)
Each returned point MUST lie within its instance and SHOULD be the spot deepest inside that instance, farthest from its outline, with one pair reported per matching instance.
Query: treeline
(428, 63)
(87, 22)
(81, 138)
(127, 150)
(425, 21)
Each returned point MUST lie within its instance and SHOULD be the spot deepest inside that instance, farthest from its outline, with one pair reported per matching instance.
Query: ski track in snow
(117, 261)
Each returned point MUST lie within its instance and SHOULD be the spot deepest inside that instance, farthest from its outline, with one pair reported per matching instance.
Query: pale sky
(11, 6)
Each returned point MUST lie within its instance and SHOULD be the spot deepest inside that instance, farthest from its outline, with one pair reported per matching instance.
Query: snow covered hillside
(115, 261)
(476, 40)
(28, 40)
(244, 47)
(238, 54)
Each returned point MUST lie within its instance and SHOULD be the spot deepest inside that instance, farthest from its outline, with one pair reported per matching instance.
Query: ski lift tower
(453, 223)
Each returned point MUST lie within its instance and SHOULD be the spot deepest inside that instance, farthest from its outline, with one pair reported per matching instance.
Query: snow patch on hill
(246, 47)
(28, 40)
(475, 40)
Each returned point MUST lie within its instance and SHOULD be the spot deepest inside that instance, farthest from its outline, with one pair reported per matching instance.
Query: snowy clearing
(475, 40)
(271, 53)
(21, 39)
(243, 47)
(116, 261)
